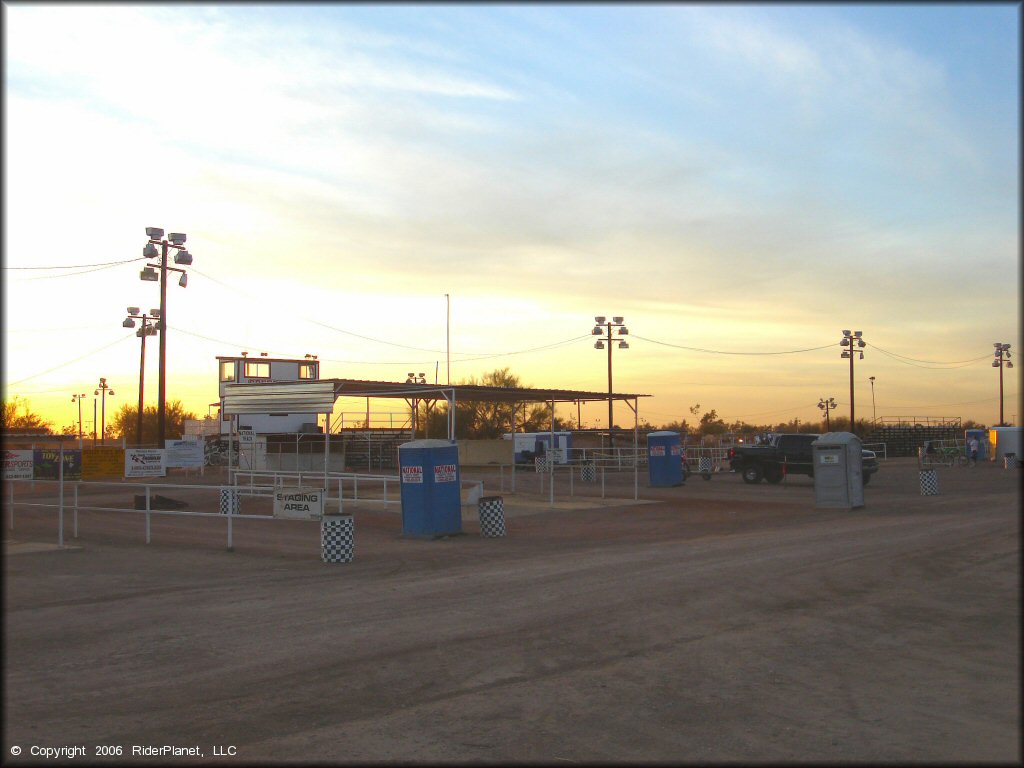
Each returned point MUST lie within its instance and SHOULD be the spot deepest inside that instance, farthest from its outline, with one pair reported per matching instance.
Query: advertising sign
(47, 464)
(299, 504)
(186, 454)
(144, 462)
(18, 465)
(444, 473)
(101, 463)
(657, 450)
(413, 474)
(677, 450)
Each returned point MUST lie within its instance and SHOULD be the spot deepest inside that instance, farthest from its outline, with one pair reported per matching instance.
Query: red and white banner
(413, 474)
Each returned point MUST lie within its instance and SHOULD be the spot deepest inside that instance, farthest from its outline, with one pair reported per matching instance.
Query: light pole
(603, 325)
(851, 342)
(105, 390)
(827, 405)
(874, 418)
(146, 329)
(1002, 361)
(78, 399)
(177, 241)
(412, 378)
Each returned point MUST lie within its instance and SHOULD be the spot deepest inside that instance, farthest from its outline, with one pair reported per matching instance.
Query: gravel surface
(713, 622)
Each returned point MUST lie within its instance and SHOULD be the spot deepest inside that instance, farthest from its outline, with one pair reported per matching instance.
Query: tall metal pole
(874, 416)
(143, 332)
(851, 388)
(1001, 422)
(610, 441)
(161, 419)
(94, 421)
(448, 335)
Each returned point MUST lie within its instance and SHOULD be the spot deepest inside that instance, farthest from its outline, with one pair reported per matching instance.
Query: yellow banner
(100, 463)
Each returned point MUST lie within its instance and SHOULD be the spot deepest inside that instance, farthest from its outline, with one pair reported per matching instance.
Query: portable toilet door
(431, 502)
(838, 471)
(664, 459)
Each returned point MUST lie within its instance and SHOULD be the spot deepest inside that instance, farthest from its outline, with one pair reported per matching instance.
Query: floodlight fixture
(183, 280)
(149, 274)
(154, 233)
(177, 238)
(183, 257)
(133, 310)
(623, 331)
(597, 331)
(599, 319)
(598, 345)
(149, 251)
(618, 319)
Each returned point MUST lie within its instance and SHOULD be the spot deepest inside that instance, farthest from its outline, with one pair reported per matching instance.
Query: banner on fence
(18, 465)
(299, 504)
(184, 454)
(47, 464)
(100, 463)
(144, 462)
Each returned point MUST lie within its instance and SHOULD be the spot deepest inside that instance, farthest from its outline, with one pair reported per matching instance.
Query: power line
(69, 362)
(950, 363)
(83, 266)
(722, 352)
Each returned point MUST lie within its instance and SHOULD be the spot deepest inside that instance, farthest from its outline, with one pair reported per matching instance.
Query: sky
(452, 189)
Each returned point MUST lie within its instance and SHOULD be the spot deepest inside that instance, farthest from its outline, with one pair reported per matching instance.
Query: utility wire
(721, 352)
(69, 362)
(949, 363)
(83, 266)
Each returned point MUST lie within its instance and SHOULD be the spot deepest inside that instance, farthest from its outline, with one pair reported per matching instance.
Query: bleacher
(903, 438)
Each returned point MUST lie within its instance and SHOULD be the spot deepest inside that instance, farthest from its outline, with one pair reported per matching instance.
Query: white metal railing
(878, 448)
(148, 511)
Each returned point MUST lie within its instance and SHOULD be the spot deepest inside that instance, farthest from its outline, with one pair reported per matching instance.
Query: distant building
(264, 370)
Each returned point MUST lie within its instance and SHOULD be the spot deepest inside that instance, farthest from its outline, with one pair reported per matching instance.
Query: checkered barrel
(929, 482)
(492, 516)
(337, 538)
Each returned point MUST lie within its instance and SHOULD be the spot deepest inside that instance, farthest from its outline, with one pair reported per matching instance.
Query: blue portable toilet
(664, 459)
(431, 503)
(981, 435)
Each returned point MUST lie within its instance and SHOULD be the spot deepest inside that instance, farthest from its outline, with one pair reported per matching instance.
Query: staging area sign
(299, 503)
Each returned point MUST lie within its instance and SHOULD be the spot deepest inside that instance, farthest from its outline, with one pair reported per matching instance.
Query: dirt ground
(712, 622)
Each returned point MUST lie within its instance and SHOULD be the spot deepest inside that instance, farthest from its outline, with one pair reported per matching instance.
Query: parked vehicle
(785, 455)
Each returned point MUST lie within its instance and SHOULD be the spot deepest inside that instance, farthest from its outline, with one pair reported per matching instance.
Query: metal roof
(319, 396)
(469, 392)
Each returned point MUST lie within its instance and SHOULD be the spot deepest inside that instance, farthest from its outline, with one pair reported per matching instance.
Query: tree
(488, 420)
(25, 420)
(125, 422)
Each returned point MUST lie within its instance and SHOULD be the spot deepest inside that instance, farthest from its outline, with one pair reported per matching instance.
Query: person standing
(972, 452)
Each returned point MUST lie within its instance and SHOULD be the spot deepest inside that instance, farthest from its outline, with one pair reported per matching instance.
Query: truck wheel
(752, 474)
(774, 476)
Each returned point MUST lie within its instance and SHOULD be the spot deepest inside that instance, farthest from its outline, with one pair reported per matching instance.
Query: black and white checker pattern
(704, 464)
(1009, 461)
(337, 538)
(492, 516)
(588, 473)
(229, 501)
(542, 464)
(929, 482)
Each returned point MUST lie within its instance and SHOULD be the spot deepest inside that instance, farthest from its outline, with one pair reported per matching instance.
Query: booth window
(307, 371)
(227, 370)
(257, 370)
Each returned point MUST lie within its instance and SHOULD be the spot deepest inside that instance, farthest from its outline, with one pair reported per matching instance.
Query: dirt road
(714, 622)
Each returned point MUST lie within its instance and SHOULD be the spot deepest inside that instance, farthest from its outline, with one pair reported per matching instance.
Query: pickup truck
(785, 455)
